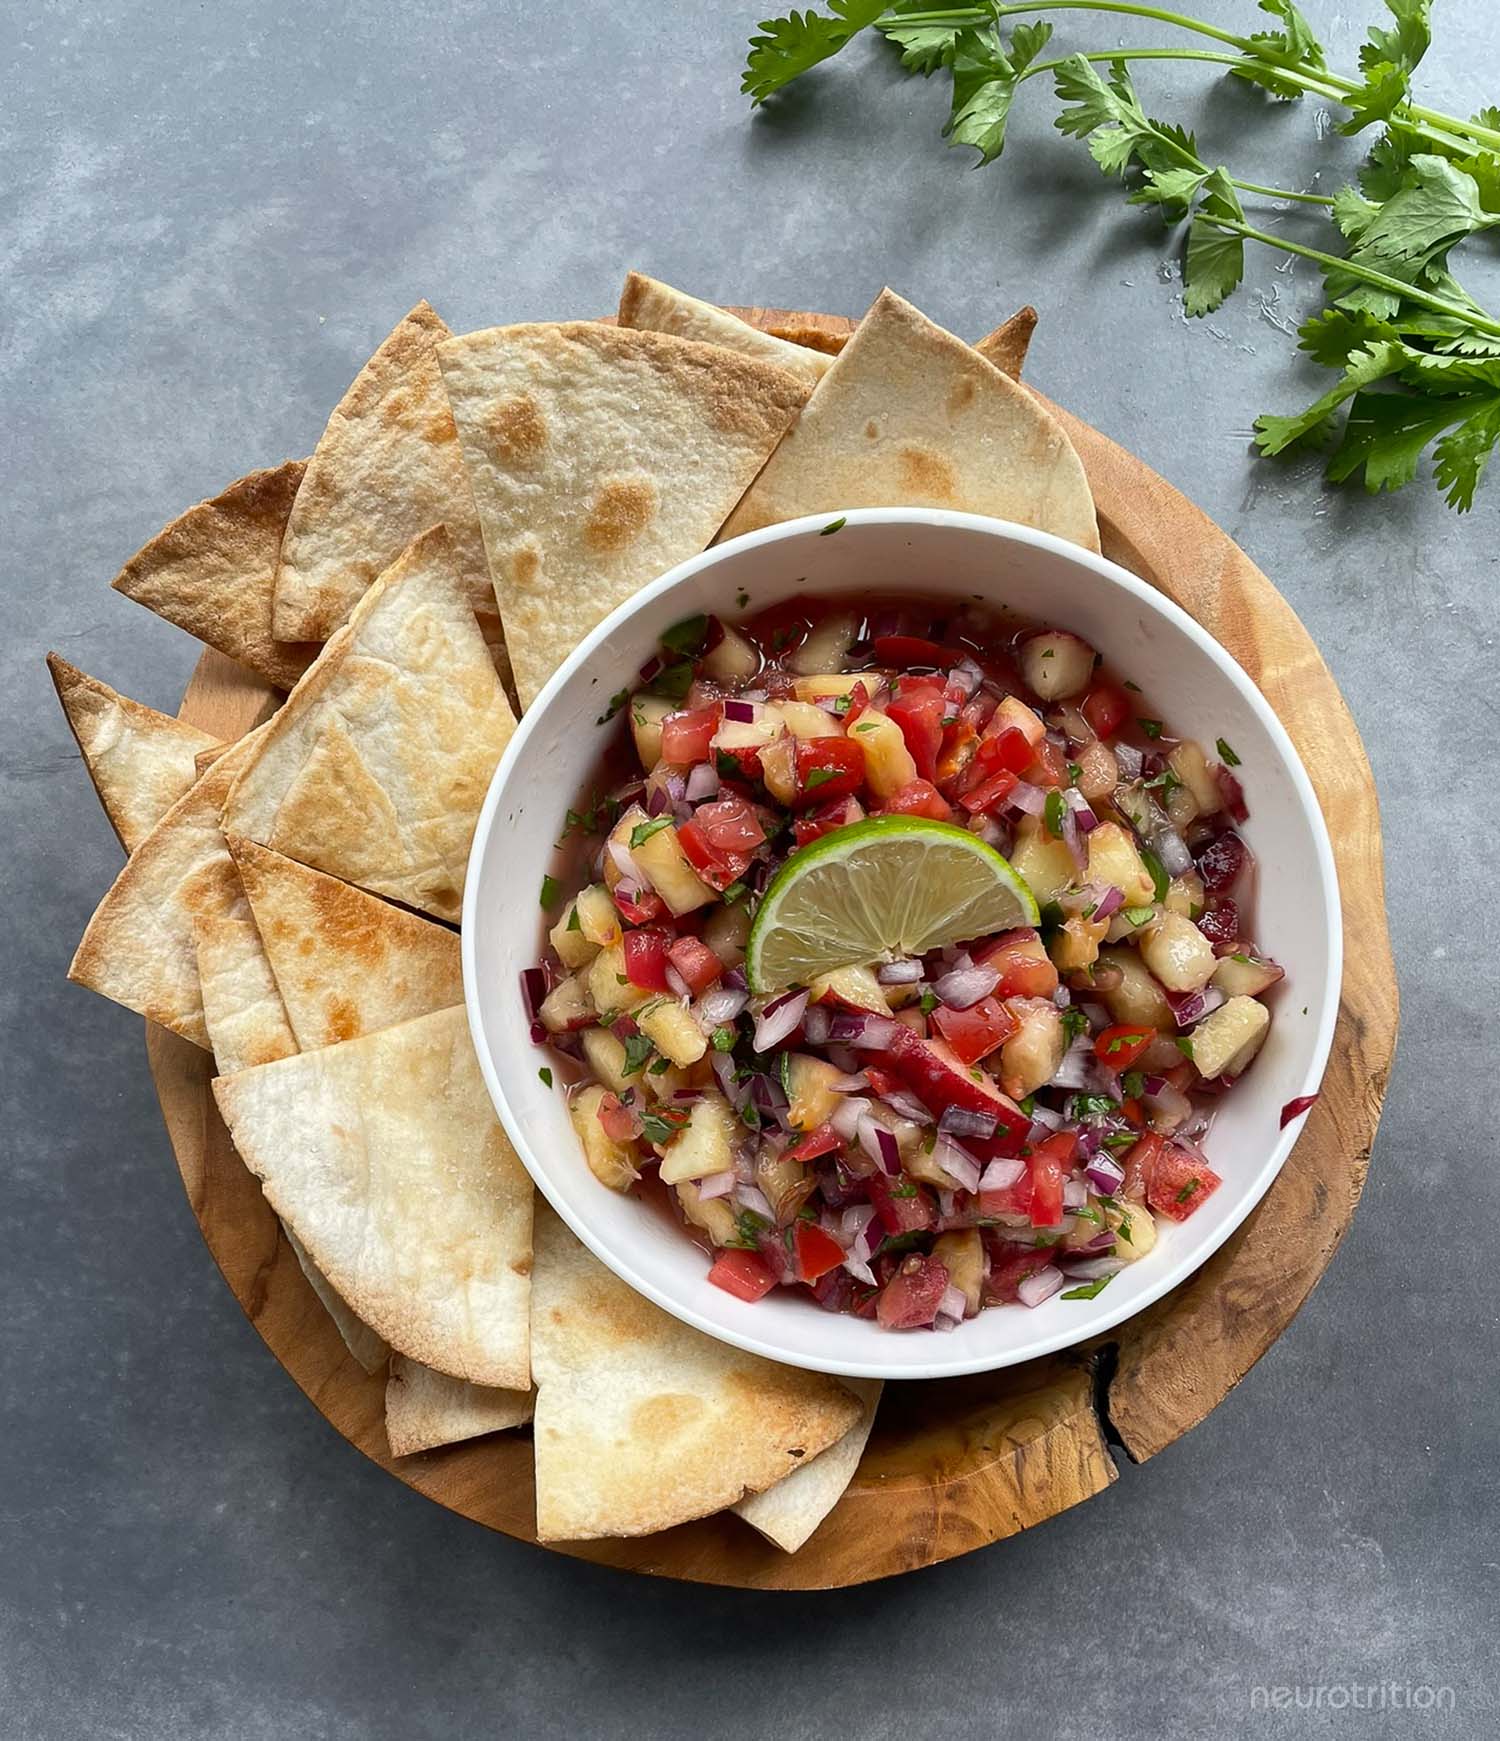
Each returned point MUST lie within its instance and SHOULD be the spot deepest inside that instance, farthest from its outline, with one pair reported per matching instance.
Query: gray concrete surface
(207, 216)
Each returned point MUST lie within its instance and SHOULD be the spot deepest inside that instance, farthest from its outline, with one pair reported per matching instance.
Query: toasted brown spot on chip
(962, 393)
(342, 1019)
(926, 472)
(519, 429)
(440, 428)
(662, 1417)
(525, 565)
(622, 511)
(872, 429)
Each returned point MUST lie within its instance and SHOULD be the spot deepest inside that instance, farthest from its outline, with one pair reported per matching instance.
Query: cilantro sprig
(1418, 359)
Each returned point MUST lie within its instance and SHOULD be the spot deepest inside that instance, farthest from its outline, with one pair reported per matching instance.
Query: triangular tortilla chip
(139, 947)
(141, 761)
(424, 1408)
(656, 307)
(385, 1158)
(367, 1348)
(387, 467)
(376, 767)
(346, 963)
(600, 456)
(205, 759)
(789, 1512)
(212, 571)
(910, 416)
(242, 1008)
(1007, 345)
(643, 1422)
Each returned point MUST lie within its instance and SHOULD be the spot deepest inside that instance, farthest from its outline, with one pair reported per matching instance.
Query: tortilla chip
(213, 569)
(242, 1008)
(789, 1512)
(387, 467)
(376, 767)
(139, 947)
(346, 963)
(367, 1348)
(909, 416)
(141, 761)
(205, 759)
(646, 303)
(1007, 345)
(384, 1156)
(600, 456)
(424, 1408)
(643, 1422)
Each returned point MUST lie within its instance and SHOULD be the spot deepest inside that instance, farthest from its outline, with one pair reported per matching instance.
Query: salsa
(913, 1138)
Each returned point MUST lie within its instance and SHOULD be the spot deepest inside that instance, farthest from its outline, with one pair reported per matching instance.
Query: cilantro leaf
(687, 637)
(819, 777)
(637, 1050)
(1089, 1290)
(1460, 458)
(1215, 261)
(985, 78)
(788, 47)
(643, 831)
(550, 887)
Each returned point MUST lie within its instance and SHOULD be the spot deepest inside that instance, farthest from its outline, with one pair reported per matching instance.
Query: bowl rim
(1101, 568)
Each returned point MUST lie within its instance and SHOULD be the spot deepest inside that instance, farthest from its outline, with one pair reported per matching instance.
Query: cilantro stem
(1122, 7)
(1306, 199)
(1411, 292)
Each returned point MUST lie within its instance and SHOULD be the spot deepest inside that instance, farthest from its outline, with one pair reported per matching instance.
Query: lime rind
(887, 886)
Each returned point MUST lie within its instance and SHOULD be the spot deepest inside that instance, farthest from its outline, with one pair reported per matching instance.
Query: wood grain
(955, 1465)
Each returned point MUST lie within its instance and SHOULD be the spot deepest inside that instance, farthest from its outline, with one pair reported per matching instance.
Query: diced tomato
(688, 737)
(1024, 966)
(1049, 1164)
(902, 1205)
(828, 768)
(839, 814)
(884, 1083)
(859, 700)
(919, 713)
(918, 798)
(620, 1124)
(743, 1274)
(696, 962)
(646, 959)
(1009, 1267)
(912, 1296)
(900, 651)
(1130, 1111)
(975, 1032)
(960, 741)
(1106, 707)
(989, 794)
(815, 1250)
(720, 838)
(1009, 1200)
(1120, 1046)
(639, 909)
(822, 1139)
(1179, 1183)
(1005, 747)
(741, 763)
(1139, 1165)
(1050, 767)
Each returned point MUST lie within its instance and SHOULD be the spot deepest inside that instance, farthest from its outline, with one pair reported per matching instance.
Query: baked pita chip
(387, 467)
(789, 1512)
(242, 1009)
(141, 761)
(384, 1157)
(205, 759)
(1007, 345)
(213, 569)
(643, 1422)
(424, 1408)
(346, 963)
(376, 767)
(140, 947)
(367, 1348)
(910, 416)
(600, 456)
(657, 307)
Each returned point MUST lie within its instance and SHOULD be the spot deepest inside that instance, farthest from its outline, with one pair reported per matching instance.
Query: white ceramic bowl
(918, 552)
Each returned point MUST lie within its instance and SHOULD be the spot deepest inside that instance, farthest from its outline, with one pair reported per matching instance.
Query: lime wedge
(888, 886)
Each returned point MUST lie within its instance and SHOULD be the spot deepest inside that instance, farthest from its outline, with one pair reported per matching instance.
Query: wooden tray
(956, 1464)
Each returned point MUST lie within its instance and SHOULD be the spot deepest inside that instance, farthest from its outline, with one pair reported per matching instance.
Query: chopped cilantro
(1151, 727)
(1160, 881)
(747, 1227)
(742, 598)
(1028, 1105)
(723, 1039)
(1184, 1045)
(727, 767)
(1135, 686)
(643, 831)
(869, 725)
(841, 704)
(735, 892)
(660, 1067)
(835, 525)
(1188, 1189)
(1120, 1140)
(687, 637)
(898, 1242)
(1075, 773)
(1074, 1022)
(616, 702)
(1053, 813)
(1049, 652)
(621, 979)
(1089, 1290)
(1226, 754)
(673, 681)
(1092, 1106)
(1134, 1084)
(660, 1127)
(550, 886)
(1124, 1228)
(546, 1076)
(819, 777)
(637, 1050)
(574, 922)
(750, 1115)
(1138, 916)
(904, 1189)
(928, 1002)
(1166, 782)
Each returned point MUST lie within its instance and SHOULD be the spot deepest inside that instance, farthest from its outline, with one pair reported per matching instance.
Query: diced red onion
(1295, 1108)
(1195, 1005)
(869, 1033)
(816, 1023)
(965, 986)
(756, 695)
(741, 712)
(717, 1007)
(702, 783)
(906, 1106)
(623, 1027)
(533, 990)
(879, 1144)
(991, 832)
(1046, 1118)
(1099, 1018)
(960, 1122)
(1131, 761)
(852, 1082)
(846, 1116)
(1169, 1103)
(1040, 1285)
(779, 1018)
(716, 1185)
(1080, 806)
(539, 1035)
(1105, 1174)
(1080, 1070)
(957, 1163)
(1075, 1193)
(1028, 799)
(1073, 839)
(953, 1304)
(751, 1197)
(1173, 852)
(860, 1270)
(736, 1093)
(1000, 1175)
(1110, 903)
(626, 865)
(657, 800)
(650, 668)
(1094, 1269)
(904, 972)
(1062, 998)
(735, 979)
(685, 1095)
